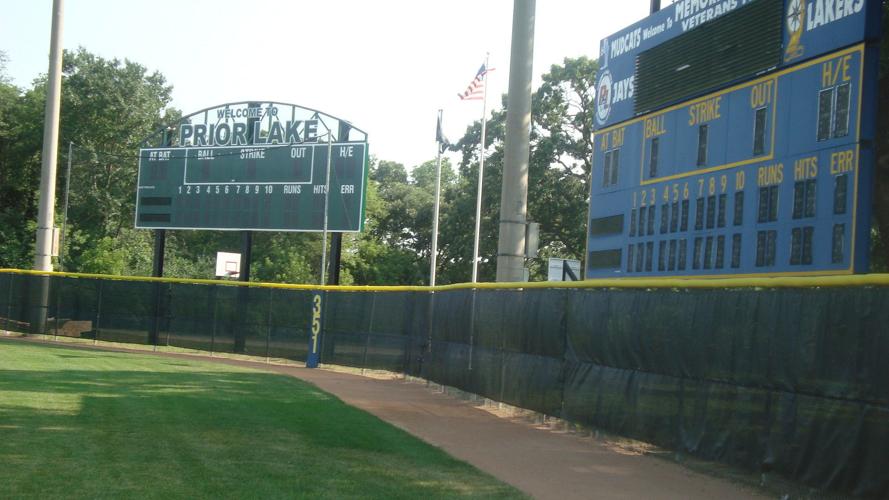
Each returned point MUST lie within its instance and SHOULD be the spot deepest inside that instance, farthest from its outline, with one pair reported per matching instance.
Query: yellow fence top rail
(677, 283)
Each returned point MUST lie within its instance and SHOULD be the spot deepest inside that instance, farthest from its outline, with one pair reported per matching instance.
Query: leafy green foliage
(109, 106)
(395, 248)
(20, 144)
(558, 175)
(880, 233)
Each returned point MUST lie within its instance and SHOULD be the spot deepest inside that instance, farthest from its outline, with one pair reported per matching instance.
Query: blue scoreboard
(735, 137)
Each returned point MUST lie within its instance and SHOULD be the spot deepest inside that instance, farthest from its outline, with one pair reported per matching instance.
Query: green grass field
(89, 424)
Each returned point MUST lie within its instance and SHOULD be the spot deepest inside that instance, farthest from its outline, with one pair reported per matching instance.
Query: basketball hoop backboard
(228, 264)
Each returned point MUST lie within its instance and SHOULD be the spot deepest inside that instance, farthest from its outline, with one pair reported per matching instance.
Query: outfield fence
(784, 375)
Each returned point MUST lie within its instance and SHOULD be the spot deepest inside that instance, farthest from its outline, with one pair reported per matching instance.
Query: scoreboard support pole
(240, 333)
(160, 243)
(336, 239)
(246, 255)
(336, 252)
(157, 271)
(244, 292)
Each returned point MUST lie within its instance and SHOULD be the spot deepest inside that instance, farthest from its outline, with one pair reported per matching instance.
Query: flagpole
(481, 174)
(434, 254)
(326, 205)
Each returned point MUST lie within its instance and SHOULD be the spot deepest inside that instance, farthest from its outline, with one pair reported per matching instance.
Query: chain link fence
(789, 380)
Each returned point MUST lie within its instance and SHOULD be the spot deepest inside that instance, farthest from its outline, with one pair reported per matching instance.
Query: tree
(880, 244)
(108, 106)
(558, 171)
(562, 159)
(20, 142)
(4, 78)
(395, 248)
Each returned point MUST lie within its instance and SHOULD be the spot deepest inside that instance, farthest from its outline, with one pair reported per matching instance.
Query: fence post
(502, 361)
(55, 335)
(471, 327)
(370, 327)
(9, 303)
(268, 331)
(213, 296)
(98, 314)
(564, 331)
(409, 333)
(240, 324)
(313, 357)
(39, 298)
(427, 351)
(164, 321)
(154, 332)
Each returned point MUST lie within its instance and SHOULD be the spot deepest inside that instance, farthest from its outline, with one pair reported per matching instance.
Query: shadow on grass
(190, 429)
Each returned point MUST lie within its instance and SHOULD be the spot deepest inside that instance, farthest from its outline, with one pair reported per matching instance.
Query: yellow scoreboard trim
(767, 157)
(783, 280)
(857, 160)
(859, 49)
(772, 76)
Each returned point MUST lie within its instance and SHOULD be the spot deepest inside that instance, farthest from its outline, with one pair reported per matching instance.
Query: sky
(387, 66)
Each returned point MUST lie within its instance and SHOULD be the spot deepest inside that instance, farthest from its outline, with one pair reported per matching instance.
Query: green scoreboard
(261, 182)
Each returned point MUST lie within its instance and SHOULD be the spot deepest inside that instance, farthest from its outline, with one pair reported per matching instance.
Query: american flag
(476, 89)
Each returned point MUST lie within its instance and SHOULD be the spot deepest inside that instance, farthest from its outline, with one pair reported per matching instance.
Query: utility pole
(45, 217)
(514, 194)
(655, 6)
(46, 210)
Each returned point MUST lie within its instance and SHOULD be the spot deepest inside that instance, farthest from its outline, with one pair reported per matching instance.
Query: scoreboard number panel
(226, 165)
(272, 187)
(758, 168)
(253, 165)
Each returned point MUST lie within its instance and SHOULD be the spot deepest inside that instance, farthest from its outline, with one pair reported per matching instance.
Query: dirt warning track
(541, 462)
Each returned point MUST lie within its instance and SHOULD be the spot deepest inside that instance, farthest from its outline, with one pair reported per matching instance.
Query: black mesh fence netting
(793, 381)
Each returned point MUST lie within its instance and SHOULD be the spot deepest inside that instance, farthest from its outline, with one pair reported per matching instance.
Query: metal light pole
(514, 194)
(45, 217)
